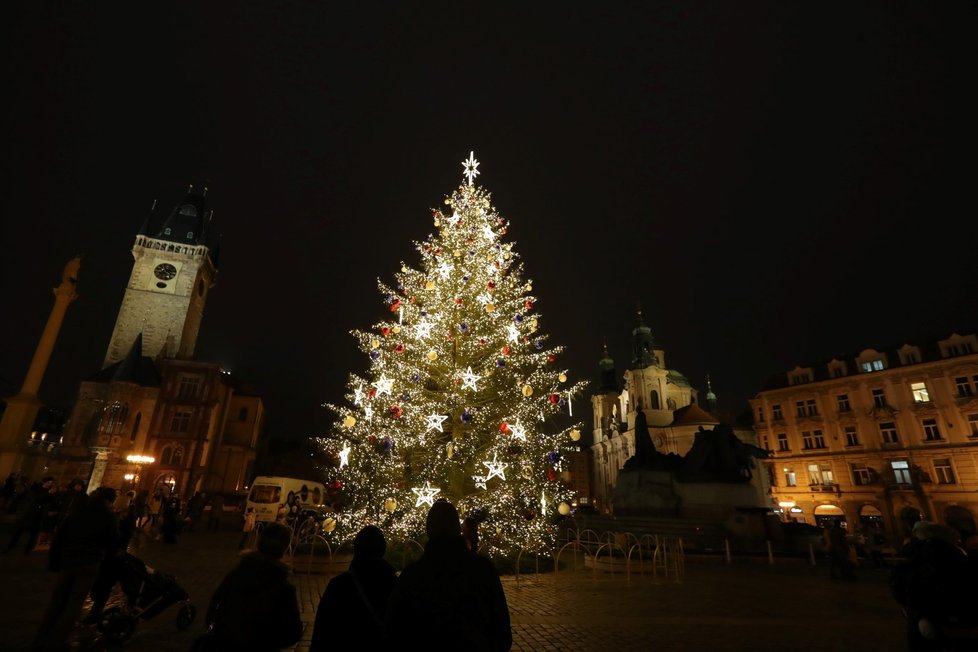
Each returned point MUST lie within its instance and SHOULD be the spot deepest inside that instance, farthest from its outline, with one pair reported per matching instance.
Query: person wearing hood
(449, 599)
(935, 587)
(255, 607)
(356, 600)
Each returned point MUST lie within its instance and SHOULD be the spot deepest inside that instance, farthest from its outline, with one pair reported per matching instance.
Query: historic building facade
(864, 438)
(152, 399)
(670, 403)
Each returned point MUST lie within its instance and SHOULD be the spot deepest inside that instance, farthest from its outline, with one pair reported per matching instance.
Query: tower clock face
(165, 271)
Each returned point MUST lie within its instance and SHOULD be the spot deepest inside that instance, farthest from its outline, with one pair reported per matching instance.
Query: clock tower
(172, 274)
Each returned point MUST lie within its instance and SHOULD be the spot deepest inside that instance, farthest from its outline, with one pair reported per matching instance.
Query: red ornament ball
(372, 392)
(395, 411)
(458, 301)
(504, 427)
(554, 399)
(399, 348)
(551, 475)
(490, 285)
(529, 305)
(395, 305)
(551, 358)
(505, 350)
(385, 331)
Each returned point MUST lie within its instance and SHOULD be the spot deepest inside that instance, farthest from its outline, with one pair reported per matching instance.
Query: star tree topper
(470, 167)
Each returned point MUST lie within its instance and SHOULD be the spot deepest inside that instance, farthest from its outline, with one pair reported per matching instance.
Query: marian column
(18, 418)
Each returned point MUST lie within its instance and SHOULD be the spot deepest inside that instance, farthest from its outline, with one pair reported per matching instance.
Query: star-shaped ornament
(358, 394)
(434, 421)
(514, 333)
(480, 481)
(517, 431)
(426, 495)
(423, 329)
(484, 298)
(487, 233)
(369, 413)
(384, 385)
(344, 457)
(469, 379)
(444, 271)
(496, 469)
(470, 168)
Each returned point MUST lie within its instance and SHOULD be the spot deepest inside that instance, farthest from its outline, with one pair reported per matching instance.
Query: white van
(268, 495)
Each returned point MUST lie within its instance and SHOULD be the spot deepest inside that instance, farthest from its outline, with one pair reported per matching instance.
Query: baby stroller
(148, 592)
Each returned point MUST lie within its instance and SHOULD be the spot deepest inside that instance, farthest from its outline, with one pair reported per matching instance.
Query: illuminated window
(920, 394)
(931, 430)
(790, 479)
(889, 433)
(943, 471)
(852, 436)
(820, 475)
(872, 365)
(901, 471)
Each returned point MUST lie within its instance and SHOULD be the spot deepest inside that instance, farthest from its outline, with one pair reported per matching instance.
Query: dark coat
(450, 599)
(255, 607)
(83, 538)
(342, 609)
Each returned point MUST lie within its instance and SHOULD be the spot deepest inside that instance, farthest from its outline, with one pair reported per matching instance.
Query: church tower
(172, 273)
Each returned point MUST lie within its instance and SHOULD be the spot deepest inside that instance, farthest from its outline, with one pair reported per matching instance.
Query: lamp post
(138, 461)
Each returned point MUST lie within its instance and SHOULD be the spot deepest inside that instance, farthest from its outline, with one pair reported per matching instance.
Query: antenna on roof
(191, 188)
(205, 191)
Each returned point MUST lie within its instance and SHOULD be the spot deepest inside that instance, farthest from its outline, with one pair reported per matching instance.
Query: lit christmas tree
(460, 398)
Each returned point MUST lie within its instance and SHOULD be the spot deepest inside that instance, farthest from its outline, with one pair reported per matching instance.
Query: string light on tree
(449, 363)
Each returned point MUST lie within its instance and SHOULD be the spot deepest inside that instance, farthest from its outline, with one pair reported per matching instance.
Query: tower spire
(711, 398)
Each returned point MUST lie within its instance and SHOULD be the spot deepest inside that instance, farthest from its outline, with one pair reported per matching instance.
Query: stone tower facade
(172, 274)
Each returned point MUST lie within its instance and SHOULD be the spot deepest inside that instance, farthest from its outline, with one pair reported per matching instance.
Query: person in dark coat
(77, 550)
(255, 607)
(449, 599)
(33, 509)
(357, 599)
(171, 520)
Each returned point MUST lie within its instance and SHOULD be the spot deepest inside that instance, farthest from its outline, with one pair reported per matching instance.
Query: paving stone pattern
(748, 605)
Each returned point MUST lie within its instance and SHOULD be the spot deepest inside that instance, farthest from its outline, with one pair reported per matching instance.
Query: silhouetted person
(32, 510)
(255, 607)
(838, 548)
(77, 550)
(470, 532)
(449, 599)
(357, 599)
(217, 512)
(171, 520)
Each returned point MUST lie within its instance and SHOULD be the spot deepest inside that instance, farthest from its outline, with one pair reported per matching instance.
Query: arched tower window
(177, 456)
(655, 400)
(167, 455)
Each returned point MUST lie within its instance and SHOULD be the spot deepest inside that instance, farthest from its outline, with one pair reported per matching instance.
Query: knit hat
(369, 542)
(443, 520)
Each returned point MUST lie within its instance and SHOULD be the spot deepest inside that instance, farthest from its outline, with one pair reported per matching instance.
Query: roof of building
(692, 415)
(134, 368)
(929, 349)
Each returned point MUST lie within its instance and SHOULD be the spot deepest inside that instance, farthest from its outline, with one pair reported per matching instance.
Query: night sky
(775, 183)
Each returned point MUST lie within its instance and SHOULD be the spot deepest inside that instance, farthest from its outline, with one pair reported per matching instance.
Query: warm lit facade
(669, 402)
(864, 438)
(151, 398)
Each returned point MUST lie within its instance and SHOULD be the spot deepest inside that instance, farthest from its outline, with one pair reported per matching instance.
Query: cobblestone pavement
(748, 605)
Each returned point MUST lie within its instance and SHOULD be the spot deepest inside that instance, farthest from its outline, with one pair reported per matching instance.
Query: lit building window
(790, 479)
(901, 471)
(920, 394)
(872, 365)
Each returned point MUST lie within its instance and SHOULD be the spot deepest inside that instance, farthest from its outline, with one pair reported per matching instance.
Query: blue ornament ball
(463, 327)
(519, 319)
(405, 397)
(416, 377)
(500, 363)
(465, 279)
(466, 417)
(538, 344)
(553, 457)
(374, 355)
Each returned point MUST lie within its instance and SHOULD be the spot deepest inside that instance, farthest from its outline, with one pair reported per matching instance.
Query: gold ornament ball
(449, 450)
(527, 391)
(506, 256)
(533, 323)
(490, 307)
(390, 504)
(457, 253)
(562, 378)
(563, 509)
(448, 201)
(374, 344)
(396, 329)
(349, 421)
(404, 268)
(437, 222)
(429, 285)
(432, 356)
(529, 288)
(575, 435)
(329, 524)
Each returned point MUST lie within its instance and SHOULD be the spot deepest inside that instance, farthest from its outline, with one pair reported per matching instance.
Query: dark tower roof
(643, 348)
(187, 222)
(134, 368)
(608, 379)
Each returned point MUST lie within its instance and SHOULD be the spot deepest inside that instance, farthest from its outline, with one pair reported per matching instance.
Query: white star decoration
(469, 379)
(358, 394)
(517, 431)
(434, 421)
(480, 482)
(426, 495)
(423, 329)
(488, 234)
(384, 386)
(484, 298)
(496, 469)
(344, 457)
(369, 412)
(444, 271)
(470, 168)
(514, 333)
